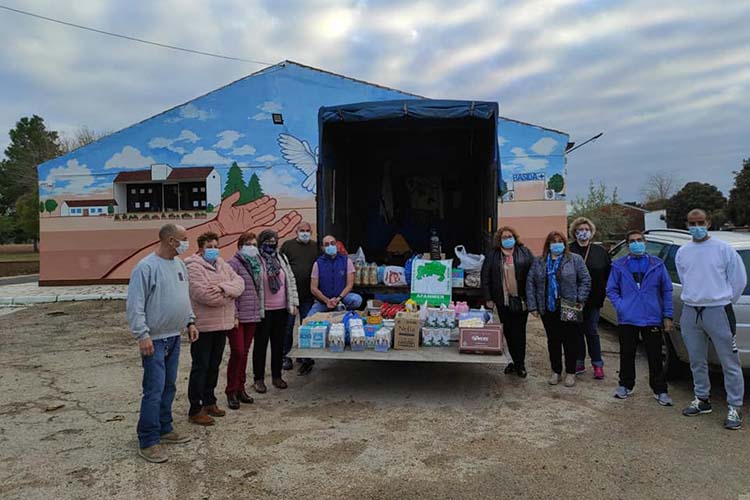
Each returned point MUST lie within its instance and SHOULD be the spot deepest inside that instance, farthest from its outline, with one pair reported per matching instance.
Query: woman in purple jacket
(247, 264)
(640, 290)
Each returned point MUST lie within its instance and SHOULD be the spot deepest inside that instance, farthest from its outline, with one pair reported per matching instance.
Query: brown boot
(279, 383)
(260, 387)
(202, 418)
(215, 411)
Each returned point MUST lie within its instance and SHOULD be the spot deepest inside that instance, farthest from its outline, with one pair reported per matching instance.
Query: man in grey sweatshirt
(158, 310)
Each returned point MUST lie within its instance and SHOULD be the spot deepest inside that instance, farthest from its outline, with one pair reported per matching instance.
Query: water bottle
(435, 246)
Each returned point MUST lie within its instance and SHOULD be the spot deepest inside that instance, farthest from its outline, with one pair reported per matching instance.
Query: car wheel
(674, 367)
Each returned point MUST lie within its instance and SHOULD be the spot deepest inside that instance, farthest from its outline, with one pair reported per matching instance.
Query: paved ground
(15, 280)
(29, 291)
(69, 392)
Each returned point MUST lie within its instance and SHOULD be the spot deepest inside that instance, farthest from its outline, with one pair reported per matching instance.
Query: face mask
(249, 250)
(637, 247)
(304, 236)
(269, 247)
(557, 248)
(583, 235)
(183, 247)
(331, 250)
(211, 254)
(508, 243)
(698, 232)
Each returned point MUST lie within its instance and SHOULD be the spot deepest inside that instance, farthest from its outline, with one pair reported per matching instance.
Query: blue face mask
(211, 254)
(508, 243)
(637, 247)
(698, 232)
(557, 248)
(331, 250)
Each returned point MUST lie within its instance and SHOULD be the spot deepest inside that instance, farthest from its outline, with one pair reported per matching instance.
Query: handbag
(570, 311)
(516, 305)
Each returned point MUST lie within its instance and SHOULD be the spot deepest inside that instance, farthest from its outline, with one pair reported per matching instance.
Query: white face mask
(303, 236)
(183, 247)
(249, 250)
(583, 235)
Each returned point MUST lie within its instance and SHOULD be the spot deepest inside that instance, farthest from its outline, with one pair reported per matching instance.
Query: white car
(664, 243)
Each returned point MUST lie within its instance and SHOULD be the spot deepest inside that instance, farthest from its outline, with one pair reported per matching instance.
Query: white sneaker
(555, 378)
(570, 379)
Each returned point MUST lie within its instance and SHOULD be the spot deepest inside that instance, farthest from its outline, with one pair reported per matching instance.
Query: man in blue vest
(332, 280)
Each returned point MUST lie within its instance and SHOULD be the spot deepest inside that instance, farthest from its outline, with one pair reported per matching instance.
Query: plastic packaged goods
(358, 341)
(313, 336)
(337, 337)
(383, 338)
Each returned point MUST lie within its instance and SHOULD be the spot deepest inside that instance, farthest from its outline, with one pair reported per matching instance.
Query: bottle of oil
(435, 252)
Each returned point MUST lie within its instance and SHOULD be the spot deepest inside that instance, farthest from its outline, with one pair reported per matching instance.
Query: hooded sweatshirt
(644, 304)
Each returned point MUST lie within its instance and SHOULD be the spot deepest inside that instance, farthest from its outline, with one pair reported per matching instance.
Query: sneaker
(580, 369)
(202, 418)
(154, 454)
(598, 372)
(279, 383)
(570, 379)
(521, 372)
(622, 392)
(734, 419)
(287, 364)
(697, 407)
(663, 399)
(259, 386)
(215, 411)
(555, 378)
(174, 438)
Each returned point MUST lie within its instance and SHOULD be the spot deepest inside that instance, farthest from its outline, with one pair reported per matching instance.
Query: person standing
(640, 290)
(332, 280)
(158, 309)
(214, 288)
(301, 252)
(598, 263)
(280, 299)
(246, 264)
(558, 278)
(504, 275)
(713, 278)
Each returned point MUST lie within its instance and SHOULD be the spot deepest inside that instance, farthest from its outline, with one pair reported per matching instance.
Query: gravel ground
(70, 387)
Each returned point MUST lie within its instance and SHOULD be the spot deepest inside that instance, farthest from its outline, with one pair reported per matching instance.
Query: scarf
(253, 267)
(552, 286)
(273, 269)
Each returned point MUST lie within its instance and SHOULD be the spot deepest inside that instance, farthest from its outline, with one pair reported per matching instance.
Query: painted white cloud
(166, 143)
(267, 108)
(187, 135)
(73, 178)
(191, 112)
(275, 180)
(227, 139)
(129, 157)
(201, 156)
(521, 162)
(501, 140)
(266, 159)
(544, 146)
(245, 150)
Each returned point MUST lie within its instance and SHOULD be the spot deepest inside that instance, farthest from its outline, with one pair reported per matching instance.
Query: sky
(667, 82)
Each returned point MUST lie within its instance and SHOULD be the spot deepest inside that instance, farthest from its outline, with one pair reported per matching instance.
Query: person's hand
(146, 346)
(330, 304)
(336, 301)
(217, 289)
(295, 310)
(236, 322)
(490, 304)
(668, 325)
(192, 333)
(535, 314)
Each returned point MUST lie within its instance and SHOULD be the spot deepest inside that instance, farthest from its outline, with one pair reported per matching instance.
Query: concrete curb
(47, 299)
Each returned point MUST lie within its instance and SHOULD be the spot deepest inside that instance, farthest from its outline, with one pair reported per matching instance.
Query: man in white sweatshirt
(713, 278)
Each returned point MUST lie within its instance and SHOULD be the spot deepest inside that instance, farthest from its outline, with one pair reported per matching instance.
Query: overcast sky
(667, 82)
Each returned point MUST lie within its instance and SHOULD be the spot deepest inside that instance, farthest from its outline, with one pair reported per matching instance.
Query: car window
(620, 251)
(745, 254)
(656, 248)
(669, 262)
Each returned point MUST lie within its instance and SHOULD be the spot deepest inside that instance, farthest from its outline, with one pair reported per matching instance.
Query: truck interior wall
(393, 179)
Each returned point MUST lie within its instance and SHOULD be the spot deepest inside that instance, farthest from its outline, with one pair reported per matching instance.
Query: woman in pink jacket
(214, 286)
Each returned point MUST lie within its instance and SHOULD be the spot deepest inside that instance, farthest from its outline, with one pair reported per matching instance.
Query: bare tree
(658, 189)
(79, 138)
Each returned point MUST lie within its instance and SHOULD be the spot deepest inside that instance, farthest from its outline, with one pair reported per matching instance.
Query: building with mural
(242, 157)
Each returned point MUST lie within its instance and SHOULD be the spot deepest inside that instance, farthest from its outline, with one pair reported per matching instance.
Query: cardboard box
(330, 317)
(313, 335)
(485, 340)
(406, 334)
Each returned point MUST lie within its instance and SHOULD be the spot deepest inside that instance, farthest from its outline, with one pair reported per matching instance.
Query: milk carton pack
(357, 336)
(436, 337)
(370, 331)
(337, 337)
(383, 339)
(313, 335)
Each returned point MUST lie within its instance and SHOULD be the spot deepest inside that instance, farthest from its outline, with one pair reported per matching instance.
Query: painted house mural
(242, 157)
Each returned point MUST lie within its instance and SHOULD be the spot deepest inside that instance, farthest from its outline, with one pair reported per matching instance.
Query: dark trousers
(514, 329)
(272, 328)
(652, 341)
(206, 352)
(240, 339)
(304, 308)
(590, 337)
(561, 336)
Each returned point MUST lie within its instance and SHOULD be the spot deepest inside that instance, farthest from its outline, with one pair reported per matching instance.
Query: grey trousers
(697, 327)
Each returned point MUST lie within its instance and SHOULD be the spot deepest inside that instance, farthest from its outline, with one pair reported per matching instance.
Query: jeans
(697, 328)
(561, 335)
(653, 342)
(272, 329)
(206, 352)
(240, 339)
(159, 388)
(351, 301)
(590, 335)
(514, 329)
(304, 310)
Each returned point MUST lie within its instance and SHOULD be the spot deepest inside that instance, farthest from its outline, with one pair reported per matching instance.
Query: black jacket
(599, 265)
(492, 273)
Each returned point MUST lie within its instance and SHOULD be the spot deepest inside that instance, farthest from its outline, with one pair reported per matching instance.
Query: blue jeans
(159, 379)
(350, 302)
(590, 335)
(304, 309)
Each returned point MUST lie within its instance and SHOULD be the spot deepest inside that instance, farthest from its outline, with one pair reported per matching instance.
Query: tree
(235, 184)
(556, 182)
(50, 205)
(738, 208)
(110, 209)
(603, 209)
(658, 189)
(701, 195)
(254, 189)
(81, 137)
(28, 216)
(503, 187)
(41, 207)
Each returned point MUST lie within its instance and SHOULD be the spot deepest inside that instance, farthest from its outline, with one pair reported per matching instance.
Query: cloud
(129, 157)
(191, 112)
(277, 180)
(266, 159)
(201, 156)
(227, 139)
(501, 140)
(165, 143)
(544, 146)
(245, 150)
(267, 108)
(521, 162)
(73, 178)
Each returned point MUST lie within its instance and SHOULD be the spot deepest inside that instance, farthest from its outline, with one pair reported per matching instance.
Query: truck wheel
(674, 367)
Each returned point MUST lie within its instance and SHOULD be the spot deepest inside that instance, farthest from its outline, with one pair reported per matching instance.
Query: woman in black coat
(504, 274)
